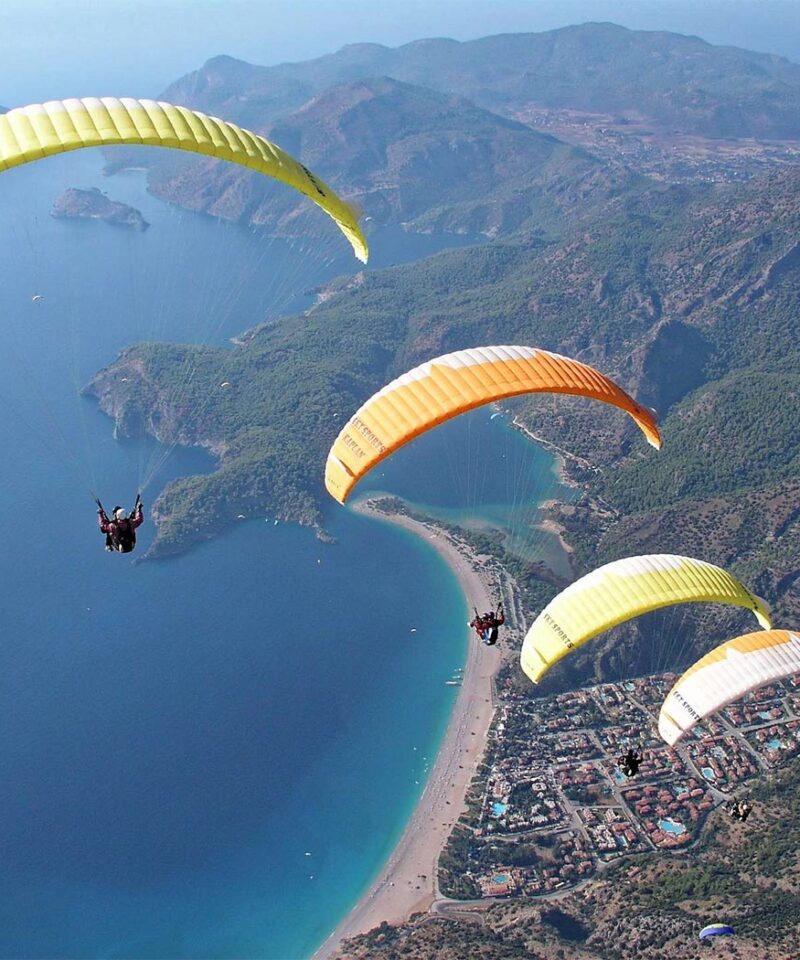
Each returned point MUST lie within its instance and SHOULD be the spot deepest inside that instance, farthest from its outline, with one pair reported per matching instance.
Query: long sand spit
(407, 882)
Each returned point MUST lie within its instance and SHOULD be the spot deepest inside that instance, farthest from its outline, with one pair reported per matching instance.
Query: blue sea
(210, 756)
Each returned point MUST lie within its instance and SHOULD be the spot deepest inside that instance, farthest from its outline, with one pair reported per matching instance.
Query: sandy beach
(407, 883)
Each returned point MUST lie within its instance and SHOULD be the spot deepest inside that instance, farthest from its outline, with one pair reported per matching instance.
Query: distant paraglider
(452, 384)
(739, 810)
(37, 297)
(717, 930)
(630, 762)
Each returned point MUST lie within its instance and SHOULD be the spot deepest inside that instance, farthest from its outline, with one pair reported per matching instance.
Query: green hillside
(650, 292)
(686, 294)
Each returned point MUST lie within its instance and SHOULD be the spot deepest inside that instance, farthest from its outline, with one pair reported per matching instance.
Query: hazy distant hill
(404, 154)
(674, 80)
(422, 134)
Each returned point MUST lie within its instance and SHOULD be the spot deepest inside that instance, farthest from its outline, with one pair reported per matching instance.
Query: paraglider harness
(487, 626)
(630, 762)
(122, 536)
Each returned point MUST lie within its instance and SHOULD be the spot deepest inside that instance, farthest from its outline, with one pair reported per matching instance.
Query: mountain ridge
(405, 154)
(605, 294)
(498, 71)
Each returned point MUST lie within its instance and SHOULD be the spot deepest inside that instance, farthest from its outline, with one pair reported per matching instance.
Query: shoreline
(407, 883)
(562, 456)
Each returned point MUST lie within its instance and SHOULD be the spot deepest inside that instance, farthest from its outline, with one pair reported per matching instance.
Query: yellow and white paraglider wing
(43, 129)
(452, 384)
(620, 591)
(726, 673)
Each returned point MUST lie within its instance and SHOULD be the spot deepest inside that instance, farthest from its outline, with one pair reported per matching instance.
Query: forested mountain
(420, 134)
(405, 154)
(686, 293)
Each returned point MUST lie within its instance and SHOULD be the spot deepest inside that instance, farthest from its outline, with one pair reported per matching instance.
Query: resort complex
(549, 807)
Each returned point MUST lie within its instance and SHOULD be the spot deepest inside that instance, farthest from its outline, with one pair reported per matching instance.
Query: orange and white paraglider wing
(443, 388)
(726, 673)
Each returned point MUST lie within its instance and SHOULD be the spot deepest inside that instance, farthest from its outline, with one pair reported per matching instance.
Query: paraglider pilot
(486, 626)
(630, 762)
(739, 809)
(121, 531)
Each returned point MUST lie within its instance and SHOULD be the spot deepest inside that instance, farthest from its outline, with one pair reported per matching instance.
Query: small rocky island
(93, 204)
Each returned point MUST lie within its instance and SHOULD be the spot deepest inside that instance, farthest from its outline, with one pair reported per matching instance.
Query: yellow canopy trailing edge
(620, 591)
(728, 672)
(44, 129)
(443, 388)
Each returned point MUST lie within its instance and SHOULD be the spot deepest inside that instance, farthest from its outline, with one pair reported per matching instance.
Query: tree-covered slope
(647, 292)
(406, 155)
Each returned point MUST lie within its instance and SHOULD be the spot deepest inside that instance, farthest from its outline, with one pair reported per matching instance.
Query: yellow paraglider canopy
(620, 591)
(43, 129)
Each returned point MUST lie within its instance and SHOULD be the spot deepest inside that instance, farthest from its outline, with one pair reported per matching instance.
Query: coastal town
(549, 808)
(661, 154)
(526, 798)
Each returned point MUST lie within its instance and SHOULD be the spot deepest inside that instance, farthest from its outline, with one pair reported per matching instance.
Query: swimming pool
(671, 826)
